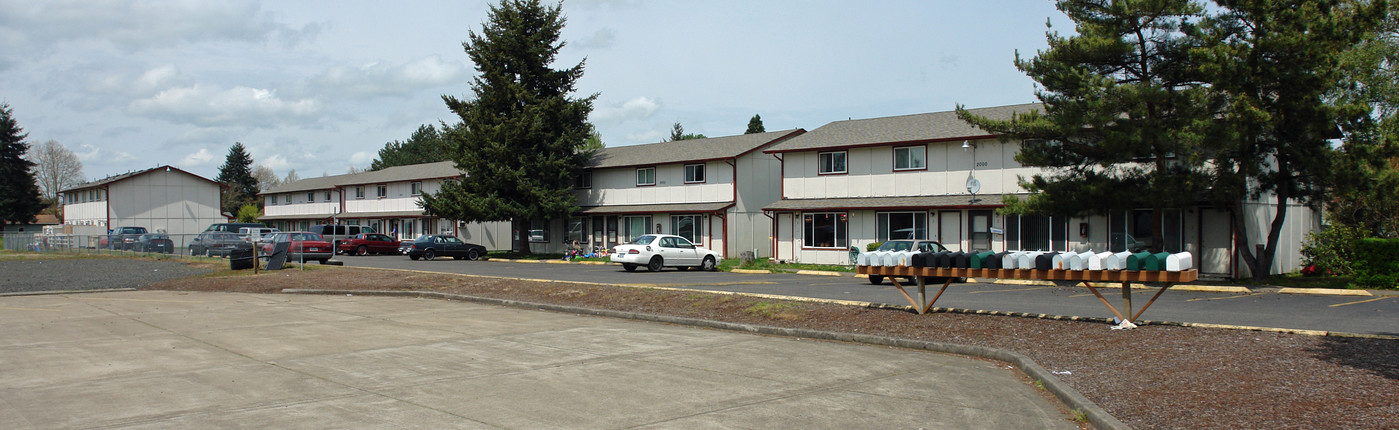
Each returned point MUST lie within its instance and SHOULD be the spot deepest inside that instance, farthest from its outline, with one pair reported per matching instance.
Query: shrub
(1378, 263)
(1332, 250)
(873, 246)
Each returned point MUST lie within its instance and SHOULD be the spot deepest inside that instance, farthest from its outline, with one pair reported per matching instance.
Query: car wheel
(191, 252)
(655, 264)
(629, 267)
(876, 279)
(709, 265)
(429, 255)
(362, 251)
(473, 255)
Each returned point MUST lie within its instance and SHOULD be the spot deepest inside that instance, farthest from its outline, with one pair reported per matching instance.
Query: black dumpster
(241, 259)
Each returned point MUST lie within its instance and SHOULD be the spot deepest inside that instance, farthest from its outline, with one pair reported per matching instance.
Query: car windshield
(305, 236)
(645, 239)
(896, 245)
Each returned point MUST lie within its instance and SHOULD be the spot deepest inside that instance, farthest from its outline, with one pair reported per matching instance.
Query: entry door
(784, 237)
(950, 230)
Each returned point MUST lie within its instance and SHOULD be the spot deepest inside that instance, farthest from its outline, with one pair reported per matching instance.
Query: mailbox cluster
(1036, 260)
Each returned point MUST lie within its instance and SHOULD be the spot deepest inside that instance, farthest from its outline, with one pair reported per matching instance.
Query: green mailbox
(1137, 261)
(1156, 261)
(978, 260)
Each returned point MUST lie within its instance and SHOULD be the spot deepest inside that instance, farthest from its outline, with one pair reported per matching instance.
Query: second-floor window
(694, 173)
(646, 176)
(416, 187)
(359, 192)
(911, 158)
(311, 197)
(584, 180)
(831, 163)
(383, 191)
(327, 196)
(286, 199)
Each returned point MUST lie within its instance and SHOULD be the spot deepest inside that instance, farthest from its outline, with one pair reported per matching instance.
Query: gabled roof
(441, 169)
(917, 128)
(715, 148)
(128, 175)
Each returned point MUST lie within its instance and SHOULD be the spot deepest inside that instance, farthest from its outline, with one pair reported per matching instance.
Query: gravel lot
(90, 273)
(1152, 377)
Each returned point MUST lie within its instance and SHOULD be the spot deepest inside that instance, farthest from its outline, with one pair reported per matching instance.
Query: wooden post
(922, 294)
(1126, 300)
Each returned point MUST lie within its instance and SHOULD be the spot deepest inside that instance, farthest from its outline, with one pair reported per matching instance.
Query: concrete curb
(1071, 397)
(818, 273)
(1324, 292)
(750, 271)
(54, 292)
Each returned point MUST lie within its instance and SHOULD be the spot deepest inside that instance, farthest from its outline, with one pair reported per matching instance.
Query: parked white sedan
(663, 250)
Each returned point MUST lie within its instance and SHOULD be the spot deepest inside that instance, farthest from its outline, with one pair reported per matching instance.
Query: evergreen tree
(1122, 113)
(755, 125)
(677, 133)
(237, 175)
(522, 138)
(19, 192)
(426, 145)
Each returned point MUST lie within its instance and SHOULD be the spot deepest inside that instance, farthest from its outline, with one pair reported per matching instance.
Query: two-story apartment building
(710, 191)
(932, 176)
(164, 198)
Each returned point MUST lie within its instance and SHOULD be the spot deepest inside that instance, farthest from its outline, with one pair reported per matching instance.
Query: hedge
(1377, 263)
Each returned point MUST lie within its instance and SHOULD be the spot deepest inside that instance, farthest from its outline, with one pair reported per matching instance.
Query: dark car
(155, 242)
(232, 227)
(368, 243)
(125, 238)
(303, 246)
(217, 243)
(430, 246)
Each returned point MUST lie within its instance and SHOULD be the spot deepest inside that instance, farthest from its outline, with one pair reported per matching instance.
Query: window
(359, 192)
(577, 230)
(327, 196)
(980, 230)
(1037, 232)
(901, 225)
(690, 227)
(538, 231)
(824, 230)
(584, 180)
(831, 163)
(416, 188)
(694, 173)
(646, 176)
(383, 191)
(286, 199)
(1131, 231)
(311, 197)
(911, 158)
(636, 226)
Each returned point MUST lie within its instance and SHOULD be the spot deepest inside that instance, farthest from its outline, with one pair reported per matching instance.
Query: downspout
(107, 205)
(772, 240)
(733, 202)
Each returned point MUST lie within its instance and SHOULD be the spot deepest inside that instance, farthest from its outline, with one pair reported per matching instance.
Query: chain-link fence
(172, 244)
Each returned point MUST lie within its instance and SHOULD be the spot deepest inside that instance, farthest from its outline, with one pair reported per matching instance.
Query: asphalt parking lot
(159, 359)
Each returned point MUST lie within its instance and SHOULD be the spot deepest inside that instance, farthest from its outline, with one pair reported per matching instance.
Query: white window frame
(359, 192)
(310, 197)
(914, 158)
(695, 174)
(882, 233)
(416, 187)
(584, 180)
(840, 229)
(650, 174)
(382, 190)
(697, 221)
(822, 167)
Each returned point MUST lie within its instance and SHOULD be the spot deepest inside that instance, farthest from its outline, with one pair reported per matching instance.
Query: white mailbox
(863, 259)
(1011, 260)
(1081, 261)
(1099, 261)
(905, 258)
(876, 258)
(1027, 260)
(1179, 262)
(1059, 261)
(1119, 261)
(891, 259)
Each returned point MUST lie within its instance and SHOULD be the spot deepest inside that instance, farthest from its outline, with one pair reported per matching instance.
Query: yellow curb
(557, 262)
(1211, 289)
(818, 273)
(1324, 291)
(749, 271)
(861, 275)
(1023, 282)
(598, 263)
(526, 261)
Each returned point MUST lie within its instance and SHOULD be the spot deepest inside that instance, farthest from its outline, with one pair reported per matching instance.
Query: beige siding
(870, 172)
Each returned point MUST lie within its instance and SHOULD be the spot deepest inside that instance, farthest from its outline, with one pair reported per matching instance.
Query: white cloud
(649, 136)
(201, 158)
(602, 39)
(276, 162)
(403, 80)
(138, 25)
(92, 154)
(213, 107)
(636, 108)
(362, 158)
(87, 152)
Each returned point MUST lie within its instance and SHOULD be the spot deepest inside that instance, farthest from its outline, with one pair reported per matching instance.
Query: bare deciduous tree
(266, 178)
(55, 168)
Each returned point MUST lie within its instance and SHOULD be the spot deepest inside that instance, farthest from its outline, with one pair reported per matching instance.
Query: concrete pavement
(158, 359)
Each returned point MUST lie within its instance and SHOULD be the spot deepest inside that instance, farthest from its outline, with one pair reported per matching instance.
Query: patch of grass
(775, 310)
(1039, 385)
(765, 264)
(1079, 416)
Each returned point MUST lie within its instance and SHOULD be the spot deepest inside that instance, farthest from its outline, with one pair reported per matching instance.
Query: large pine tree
(522, 138)
(237, 174)
(426, 145)
(19, 193)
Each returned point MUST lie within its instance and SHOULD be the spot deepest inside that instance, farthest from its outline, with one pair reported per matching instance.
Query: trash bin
(241, 259)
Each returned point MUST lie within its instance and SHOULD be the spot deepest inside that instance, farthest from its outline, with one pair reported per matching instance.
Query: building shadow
(1377, 356)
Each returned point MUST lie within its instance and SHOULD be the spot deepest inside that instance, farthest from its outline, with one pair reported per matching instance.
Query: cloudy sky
(321, 86)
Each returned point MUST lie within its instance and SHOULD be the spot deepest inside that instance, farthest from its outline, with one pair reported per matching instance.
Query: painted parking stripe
(29, 309)
(1012, 290)
(1225, 298)
(1361, 301)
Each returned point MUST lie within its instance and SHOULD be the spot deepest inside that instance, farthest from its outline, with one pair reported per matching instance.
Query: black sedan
(217, 243)
(431, 246)
(155, 242)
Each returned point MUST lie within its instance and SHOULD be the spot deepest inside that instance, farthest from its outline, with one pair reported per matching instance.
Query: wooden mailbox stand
(1061, 277)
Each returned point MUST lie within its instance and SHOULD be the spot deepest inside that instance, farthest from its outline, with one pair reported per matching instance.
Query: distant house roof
(917, 128)
(441, 169)
(128, 175)
(714, 148)
(908, 202)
